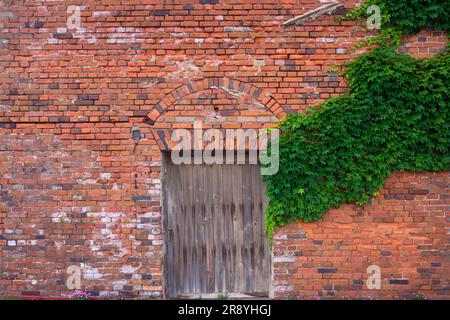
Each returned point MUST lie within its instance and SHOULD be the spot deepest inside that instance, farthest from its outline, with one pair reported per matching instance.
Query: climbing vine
(403, 16)
(394, 116)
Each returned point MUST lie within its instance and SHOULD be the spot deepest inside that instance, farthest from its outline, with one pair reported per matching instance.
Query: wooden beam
(327, 8)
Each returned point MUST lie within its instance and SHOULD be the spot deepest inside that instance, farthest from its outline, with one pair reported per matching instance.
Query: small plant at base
(222, 296)
(80, 295)
(417, 296)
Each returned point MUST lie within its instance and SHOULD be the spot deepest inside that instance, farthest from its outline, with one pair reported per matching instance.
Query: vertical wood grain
(215, 238)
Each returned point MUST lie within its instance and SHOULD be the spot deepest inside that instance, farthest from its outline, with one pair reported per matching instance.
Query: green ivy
(394, 116)
(404, 16)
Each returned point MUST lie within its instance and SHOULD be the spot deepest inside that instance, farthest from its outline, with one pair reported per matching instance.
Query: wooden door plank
(264, 240)
(229, 255)
(238, 228)
(257, 217)
(247, 227)
(218, 232)
(209, 209)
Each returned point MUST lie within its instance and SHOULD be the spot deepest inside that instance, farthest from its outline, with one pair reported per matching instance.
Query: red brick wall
(76, 190)
(405, 232)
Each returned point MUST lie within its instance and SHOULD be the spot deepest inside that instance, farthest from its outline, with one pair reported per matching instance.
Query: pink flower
(80, 295)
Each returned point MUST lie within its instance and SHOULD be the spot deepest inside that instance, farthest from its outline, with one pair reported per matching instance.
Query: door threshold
(223, 296)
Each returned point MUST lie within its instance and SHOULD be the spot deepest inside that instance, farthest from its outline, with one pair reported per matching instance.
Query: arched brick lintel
(226, 84)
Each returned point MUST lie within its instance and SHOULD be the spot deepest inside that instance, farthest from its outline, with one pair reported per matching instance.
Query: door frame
(165, 156)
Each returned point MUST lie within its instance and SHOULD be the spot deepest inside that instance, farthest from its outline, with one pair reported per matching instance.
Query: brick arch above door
(230, 86)
(226, 84)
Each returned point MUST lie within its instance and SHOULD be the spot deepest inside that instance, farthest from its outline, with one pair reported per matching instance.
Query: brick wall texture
(76, 189)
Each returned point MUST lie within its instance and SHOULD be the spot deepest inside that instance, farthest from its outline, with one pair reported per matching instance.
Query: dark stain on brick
(8, 125)
(62, 36)
(140, 79)
(140, 113)
(399, 281)
(289, 110)
(358, 282)
(141, 198)
(142, 96)
(25, 80)
(88, 96)
(121, 14)
(310, 95)
(311, 79)
(63, 119)
(436, 264)
(159, 13)
(146, 277)
(332, 74)
(128, 294)
(209, 1)
(83, 102)
(73, 86)
(95, 293)
(104, 108)
(383, 219)
(297, 236)
(341, 11)
(31, 293)
(394, 196)
(289, 62)
(326, 270)
(423, 270)
(419, 191)
(40, 103)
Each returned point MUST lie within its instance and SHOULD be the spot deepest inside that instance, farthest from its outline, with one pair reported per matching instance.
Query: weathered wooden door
(215, 239)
